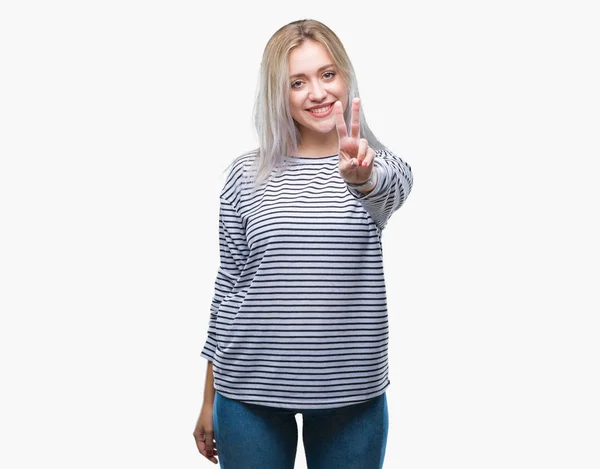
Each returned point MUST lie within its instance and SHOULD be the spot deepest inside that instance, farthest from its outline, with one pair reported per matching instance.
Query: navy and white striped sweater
(299, 315)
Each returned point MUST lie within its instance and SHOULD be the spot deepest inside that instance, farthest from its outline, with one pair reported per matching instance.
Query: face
(314, 86)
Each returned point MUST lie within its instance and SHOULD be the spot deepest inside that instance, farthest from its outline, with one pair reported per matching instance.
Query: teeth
(321, 110)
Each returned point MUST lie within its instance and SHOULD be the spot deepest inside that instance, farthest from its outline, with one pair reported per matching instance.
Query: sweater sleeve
(233, 255)
(394, 183)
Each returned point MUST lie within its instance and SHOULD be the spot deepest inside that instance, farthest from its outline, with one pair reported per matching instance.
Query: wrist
(369, 183)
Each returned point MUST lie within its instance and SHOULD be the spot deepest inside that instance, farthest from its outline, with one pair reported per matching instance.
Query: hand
(204, 434)
(356, 156)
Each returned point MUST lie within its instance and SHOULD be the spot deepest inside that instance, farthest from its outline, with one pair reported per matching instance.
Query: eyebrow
(320, 70)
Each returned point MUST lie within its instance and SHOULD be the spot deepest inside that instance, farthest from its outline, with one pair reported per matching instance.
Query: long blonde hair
(277, 133)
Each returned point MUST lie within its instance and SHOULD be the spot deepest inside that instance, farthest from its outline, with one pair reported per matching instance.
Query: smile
(323, 111)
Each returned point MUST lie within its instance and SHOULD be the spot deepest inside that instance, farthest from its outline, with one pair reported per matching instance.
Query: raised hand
(356, 156)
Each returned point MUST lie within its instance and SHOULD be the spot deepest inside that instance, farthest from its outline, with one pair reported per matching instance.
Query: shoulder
(242, 163)
(238, 174)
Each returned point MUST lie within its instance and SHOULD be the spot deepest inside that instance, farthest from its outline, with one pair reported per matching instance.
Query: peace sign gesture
(356, 156)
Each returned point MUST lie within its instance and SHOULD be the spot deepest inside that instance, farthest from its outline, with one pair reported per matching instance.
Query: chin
(323, 128)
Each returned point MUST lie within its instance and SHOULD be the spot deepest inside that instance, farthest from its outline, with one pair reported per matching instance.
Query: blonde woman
(298, 323)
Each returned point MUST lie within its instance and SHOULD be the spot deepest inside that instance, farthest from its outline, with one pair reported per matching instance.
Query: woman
(298, 322)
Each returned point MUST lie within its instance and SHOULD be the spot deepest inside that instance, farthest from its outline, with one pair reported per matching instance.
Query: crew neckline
(309, 159)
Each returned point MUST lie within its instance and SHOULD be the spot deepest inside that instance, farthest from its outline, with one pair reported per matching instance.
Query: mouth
(321, 111)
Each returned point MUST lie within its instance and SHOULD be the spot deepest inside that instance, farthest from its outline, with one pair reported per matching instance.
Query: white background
(118, 119)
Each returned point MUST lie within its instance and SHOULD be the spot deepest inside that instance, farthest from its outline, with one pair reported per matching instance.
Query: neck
(317, 144)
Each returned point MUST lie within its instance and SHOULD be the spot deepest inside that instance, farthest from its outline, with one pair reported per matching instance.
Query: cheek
(295, 106)
(341, 93)
(344, 95)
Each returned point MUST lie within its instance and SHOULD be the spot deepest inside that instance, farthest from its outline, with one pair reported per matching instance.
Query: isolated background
(117, 121)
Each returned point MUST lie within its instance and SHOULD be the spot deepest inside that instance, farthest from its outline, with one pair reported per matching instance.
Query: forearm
(209, 385)
(394, 183)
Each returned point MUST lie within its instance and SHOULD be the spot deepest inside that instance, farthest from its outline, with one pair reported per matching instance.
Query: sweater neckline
(311, 159)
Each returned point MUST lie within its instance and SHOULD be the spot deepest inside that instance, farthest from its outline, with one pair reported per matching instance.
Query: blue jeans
(251, 436)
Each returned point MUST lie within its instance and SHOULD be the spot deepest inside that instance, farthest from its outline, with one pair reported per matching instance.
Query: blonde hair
(277, 132)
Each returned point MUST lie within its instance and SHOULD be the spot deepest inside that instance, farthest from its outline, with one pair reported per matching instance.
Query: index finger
(355, 120)
(340, 123)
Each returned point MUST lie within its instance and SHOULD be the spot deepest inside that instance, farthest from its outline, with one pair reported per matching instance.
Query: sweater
(299, 317)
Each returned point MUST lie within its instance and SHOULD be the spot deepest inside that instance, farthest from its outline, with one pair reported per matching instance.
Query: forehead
(308, 57)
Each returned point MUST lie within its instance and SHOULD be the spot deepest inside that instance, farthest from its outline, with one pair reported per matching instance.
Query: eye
(329, 74)
(296, 84)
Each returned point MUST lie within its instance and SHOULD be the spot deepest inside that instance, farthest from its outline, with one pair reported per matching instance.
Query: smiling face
(315, 85)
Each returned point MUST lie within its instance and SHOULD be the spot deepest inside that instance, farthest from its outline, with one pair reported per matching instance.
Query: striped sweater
(299, 316)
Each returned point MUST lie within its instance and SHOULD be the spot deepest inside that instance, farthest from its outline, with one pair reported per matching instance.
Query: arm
(233, 255)
(393, 184)
(204, 432)
(380, 180)
(209, 386)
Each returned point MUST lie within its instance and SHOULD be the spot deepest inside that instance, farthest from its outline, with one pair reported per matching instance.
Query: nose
(317, 92)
